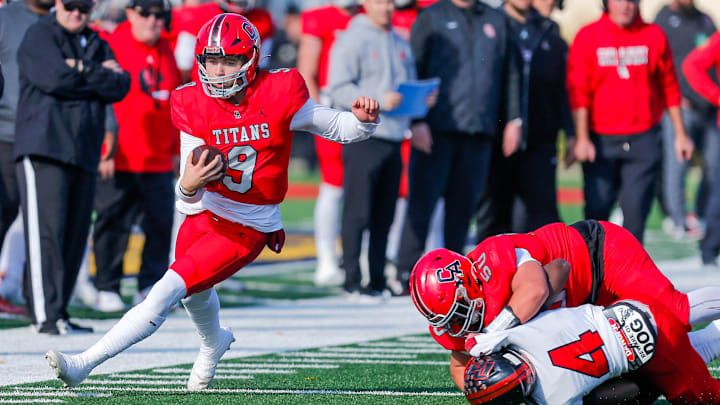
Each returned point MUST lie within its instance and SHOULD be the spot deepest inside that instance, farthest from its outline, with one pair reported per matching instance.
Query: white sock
(706, 341)
(12, 259)
(327, 222)
(393, 243)
(203, 309)
(139, 322)
(436, 233)
(704, 305)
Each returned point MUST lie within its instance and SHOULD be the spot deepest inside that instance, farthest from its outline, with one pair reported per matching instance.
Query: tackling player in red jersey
(508, 285)
(251, 116)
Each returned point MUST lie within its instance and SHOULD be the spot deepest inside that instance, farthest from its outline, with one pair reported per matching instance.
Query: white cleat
(203, 370)
(65, 368)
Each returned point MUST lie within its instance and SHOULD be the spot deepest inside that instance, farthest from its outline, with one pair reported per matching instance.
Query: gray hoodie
(15, 19)
(368, 61)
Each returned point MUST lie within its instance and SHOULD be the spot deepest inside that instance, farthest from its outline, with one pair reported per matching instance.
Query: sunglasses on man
(159, 14)
(81, 7)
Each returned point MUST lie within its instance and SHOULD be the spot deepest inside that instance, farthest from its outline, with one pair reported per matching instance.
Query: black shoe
(48, 328)
(68, 328)
(709, 259)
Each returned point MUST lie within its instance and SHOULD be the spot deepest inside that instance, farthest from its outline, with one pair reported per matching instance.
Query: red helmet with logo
(228, 35)
(444, 292)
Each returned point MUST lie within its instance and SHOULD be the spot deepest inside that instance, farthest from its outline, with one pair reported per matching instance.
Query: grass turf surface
(407, 370)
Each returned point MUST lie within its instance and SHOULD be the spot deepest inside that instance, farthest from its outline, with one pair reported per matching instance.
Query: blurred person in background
(546, 7)
(188, 19)
(319, 27)
(541, 56)
(15, 19)
(465, 44)
(287, 40)
(621, 79)
(67, 76)
(687, 28)
(369, 57)
(141, 184)
(697, 67)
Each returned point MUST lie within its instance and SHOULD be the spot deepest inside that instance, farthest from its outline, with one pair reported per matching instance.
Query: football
(212, 152)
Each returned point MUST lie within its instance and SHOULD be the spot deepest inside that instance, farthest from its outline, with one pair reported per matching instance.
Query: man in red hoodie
(144, 162)
(620, 79)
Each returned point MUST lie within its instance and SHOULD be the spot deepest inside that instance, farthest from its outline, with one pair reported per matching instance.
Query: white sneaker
(203, 370)
(108, 301)
(66, 368)
(85, 293)
(328, 275)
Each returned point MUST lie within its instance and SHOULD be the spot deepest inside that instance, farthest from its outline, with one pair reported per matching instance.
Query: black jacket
(542, 58)
(2, 82)
(61, 110)
(468, 50)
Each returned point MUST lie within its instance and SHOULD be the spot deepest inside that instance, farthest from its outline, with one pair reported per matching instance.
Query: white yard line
(363, 350)
(349, 355)
(273, 365)
(174, 370)
(365, 361)
(266, 391)
(218, 376)
(280, 326)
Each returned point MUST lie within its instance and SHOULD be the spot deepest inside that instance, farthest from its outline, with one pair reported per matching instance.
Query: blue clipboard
(414, 94)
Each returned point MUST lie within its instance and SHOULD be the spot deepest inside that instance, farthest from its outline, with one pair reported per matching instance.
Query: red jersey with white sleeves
(255, 135)
(625, 77)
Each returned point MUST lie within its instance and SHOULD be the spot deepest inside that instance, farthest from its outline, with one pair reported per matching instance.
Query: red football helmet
(444, 293)
(228, 35)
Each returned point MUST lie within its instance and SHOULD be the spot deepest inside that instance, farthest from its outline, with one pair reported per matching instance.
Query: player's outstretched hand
(366, 109)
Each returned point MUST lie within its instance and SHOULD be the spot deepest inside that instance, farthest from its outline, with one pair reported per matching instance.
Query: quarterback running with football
(250, 115)
(503, 283)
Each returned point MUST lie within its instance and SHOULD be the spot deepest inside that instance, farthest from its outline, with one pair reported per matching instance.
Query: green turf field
(406, 370)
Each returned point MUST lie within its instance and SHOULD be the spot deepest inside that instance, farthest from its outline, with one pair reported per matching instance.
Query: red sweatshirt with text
(697, 66)
(147, 139)
(625, 77)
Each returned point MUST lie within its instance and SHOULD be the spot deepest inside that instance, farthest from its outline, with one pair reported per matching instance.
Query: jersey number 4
(569, 356)
(242, 159)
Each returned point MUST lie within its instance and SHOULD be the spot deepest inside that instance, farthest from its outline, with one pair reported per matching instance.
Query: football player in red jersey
(319, 26)
(250, 115)
(509, 286)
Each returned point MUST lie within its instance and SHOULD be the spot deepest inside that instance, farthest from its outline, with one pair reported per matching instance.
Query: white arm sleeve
(523, 256)
(335, 125)
(187, 144)
(185, 51)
